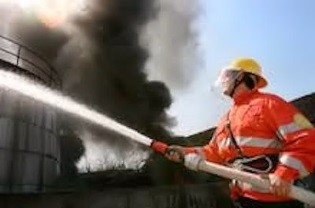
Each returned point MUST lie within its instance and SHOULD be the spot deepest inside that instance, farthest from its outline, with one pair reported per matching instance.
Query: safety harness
(261, 164)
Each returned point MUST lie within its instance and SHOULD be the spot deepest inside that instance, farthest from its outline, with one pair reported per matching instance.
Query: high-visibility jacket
(264, 124)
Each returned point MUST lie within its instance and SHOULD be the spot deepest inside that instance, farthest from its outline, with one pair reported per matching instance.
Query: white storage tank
(29, 143)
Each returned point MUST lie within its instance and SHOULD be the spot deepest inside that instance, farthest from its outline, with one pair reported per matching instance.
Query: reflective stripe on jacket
(265, 124)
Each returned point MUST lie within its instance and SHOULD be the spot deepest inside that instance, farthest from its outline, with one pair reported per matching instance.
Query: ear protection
(249, 80)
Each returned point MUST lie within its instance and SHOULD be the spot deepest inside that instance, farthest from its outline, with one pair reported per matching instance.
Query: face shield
(226, 79)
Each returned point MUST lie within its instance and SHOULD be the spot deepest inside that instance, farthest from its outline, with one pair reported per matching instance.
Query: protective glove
(279, 186)
(192, 161)
(175, 153)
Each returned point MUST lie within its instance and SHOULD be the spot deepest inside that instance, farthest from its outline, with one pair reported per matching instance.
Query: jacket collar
(242, 98)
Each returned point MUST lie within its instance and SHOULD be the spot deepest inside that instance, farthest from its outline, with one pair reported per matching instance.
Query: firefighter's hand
(279, 186)
(175, 153)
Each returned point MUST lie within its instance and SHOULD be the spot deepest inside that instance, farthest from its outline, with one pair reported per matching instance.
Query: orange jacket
(264, 124)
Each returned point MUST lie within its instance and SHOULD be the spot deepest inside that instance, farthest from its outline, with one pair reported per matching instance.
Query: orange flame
(52, 13)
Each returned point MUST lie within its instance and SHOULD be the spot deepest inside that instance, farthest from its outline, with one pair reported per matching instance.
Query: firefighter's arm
(208, 152)
(297, 136)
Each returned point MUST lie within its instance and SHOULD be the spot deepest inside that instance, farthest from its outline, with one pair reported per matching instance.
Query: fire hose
(35, 91)
(194, 162)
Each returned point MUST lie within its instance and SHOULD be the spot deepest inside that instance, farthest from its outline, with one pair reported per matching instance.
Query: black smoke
(32, 33)
(102, 64)
(110, 66)
(106, 69)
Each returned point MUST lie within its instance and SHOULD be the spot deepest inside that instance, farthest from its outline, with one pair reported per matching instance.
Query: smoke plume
(103, 58)
(108, 63)
(172, 43)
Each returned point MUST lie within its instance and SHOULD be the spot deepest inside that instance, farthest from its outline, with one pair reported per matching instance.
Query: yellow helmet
(251, 66)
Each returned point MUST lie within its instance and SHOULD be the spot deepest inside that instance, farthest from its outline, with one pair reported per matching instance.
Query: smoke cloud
(24, 27)
(104, 59)
(172, 43)
(105, 69)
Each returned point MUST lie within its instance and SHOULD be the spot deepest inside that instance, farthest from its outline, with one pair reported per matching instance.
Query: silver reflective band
(251, 142)
(294, 163)
(200, 152)
(289, 128)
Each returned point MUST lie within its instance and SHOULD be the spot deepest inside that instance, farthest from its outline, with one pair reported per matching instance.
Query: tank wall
(29, 146)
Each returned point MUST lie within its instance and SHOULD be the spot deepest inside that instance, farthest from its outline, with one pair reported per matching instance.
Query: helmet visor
(226, 77)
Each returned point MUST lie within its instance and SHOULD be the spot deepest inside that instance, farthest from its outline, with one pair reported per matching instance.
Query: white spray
(26, 87)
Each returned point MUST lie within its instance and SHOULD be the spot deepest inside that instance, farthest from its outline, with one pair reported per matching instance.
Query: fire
(52, 13)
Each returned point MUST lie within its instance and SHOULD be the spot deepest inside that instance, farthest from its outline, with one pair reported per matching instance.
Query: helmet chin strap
(235, 85)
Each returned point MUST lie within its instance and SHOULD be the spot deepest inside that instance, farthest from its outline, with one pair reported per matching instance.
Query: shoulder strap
(228, 127)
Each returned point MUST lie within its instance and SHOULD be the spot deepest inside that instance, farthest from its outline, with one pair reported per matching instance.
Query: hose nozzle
(159, 147)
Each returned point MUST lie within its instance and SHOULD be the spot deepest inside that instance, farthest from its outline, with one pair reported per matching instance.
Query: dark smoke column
(109, 68)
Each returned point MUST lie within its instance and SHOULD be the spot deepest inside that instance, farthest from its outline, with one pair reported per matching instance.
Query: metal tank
(29, 143)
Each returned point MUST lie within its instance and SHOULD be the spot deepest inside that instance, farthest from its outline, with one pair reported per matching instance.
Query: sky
(280, 35)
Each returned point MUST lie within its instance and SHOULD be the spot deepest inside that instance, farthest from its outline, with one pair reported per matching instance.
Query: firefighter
(261, 133)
